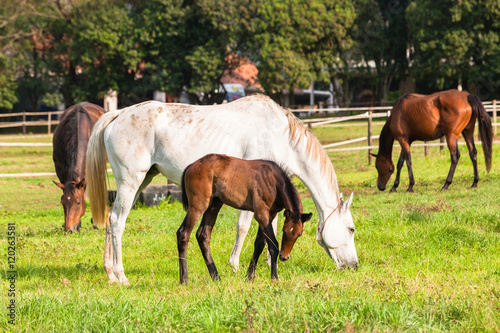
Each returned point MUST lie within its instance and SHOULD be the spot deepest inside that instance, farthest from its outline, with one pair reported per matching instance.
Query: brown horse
(255, 185)
(429, 117)
(70, 147)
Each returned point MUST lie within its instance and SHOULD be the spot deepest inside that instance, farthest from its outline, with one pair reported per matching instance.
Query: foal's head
(292, 229)
(385, 169)
(73, 201)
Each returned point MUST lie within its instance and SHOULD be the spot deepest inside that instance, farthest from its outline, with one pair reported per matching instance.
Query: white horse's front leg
(244, 222)
(275, 229)
(108, 256)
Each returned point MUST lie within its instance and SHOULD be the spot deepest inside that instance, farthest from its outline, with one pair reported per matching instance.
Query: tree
(186, 44)
(294, 42)
(381, 36)
(91, 49)
(455, 42)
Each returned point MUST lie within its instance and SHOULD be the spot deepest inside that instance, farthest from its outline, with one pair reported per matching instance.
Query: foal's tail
(485, 129)
(96, 169)
(185, 202)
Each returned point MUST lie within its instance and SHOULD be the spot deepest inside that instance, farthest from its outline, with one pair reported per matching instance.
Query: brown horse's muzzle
(381, 186)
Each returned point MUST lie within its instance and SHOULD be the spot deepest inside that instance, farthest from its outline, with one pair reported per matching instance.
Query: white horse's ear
(347, 204)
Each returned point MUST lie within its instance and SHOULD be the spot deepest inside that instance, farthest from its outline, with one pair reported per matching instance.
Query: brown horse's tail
(96, 170)
(485, 128)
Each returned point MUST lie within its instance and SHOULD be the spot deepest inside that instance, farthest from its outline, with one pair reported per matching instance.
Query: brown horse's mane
(70, 126)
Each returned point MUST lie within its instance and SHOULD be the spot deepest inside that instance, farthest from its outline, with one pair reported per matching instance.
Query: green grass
(429, 261)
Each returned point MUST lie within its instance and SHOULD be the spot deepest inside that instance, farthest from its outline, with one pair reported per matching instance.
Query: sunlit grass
(428, 262)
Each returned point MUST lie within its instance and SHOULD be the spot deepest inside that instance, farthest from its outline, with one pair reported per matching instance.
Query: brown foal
(255, 185)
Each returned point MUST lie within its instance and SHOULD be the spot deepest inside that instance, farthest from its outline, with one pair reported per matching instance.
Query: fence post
(494, 117)
(48, 121)
(441, 140)
(426, 148)
(369, 137)
(24, 122)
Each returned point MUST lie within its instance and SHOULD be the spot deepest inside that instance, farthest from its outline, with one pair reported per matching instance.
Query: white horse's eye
(352, 229)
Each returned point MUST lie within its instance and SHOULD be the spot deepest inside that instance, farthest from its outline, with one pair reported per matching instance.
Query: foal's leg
(452, 142)
(468, 134)
(265, 234)
(275, 229)
(260, 242)
(183, 234)
(204, 234)
(244, 222)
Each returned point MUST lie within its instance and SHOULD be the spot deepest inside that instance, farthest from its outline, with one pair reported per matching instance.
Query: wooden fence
(26, 122)
(368, 113)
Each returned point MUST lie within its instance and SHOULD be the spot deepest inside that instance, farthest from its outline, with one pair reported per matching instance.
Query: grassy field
(429, 261)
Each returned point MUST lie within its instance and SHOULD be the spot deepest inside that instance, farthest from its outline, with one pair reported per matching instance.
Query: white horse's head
(337, 237)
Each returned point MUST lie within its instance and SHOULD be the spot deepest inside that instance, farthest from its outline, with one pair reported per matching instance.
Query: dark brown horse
(70, 147)
(429, 117)
(256, 185)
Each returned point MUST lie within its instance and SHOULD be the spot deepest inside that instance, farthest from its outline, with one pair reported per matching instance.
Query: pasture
(428, 261)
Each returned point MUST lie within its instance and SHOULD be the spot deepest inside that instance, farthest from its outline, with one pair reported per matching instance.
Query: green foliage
(456, 41)
(8, 84)
(294, 42)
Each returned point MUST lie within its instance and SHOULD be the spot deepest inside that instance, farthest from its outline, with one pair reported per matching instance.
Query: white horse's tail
(96, 170)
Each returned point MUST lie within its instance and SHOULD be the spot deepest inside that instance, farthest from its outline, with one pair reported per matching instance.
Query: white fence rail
(371, 113)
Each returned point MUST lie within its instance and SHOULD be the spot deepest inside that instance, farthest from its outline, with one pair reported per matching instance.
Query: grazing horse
(429, 117)
(70, 146)
(254, 185)
(144, 140)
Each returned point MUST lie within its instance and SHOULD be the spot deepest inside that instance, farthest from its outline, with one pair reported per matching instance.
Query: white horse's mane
(298, 133)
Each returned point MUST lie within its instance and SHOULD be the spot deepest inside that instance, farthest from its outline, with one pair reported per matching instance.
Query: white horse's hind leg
(108, 256)
(244, 222)
(125, 196)
(275, 229)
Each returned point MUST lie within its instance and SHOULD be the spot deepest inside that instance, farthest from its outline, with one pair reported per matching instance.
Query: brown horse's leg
(455, 156)
(204, 234)
(468, 134)
(405, 156)
(183, 234)
(401, 161)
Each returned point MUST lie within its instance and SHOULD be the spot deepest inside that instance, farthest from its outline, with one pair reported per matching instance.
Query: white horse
(144, 140)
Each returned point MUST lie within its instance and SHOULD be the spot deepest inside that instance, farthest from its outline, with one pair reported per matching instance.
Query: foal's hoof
(393, 190)
(410, 190)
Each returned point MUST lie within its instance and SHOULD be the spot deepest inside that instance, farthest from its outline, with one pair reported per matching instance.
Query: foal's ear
(61, 186)
(373, 155)
(305, 217)
(287, 213)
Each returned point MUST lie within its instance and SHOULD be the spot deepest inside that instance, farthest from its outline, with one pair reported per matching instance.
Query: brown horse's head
(73, 202)
(385, 168)
(292, 229)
